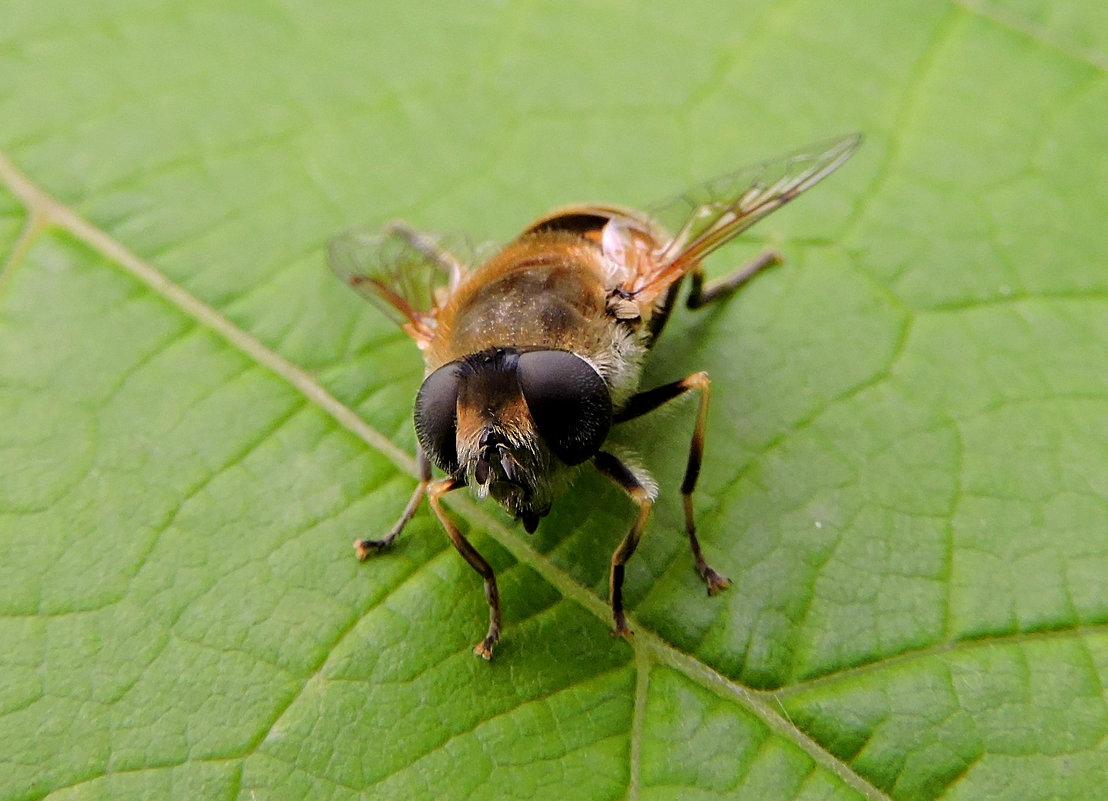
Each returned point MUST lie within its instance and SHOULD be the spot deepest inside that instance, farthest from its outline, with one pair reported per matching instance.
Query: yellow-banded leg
(617, 471)
(363, 548)
(650, 400)
(435, 492)
(701, 294)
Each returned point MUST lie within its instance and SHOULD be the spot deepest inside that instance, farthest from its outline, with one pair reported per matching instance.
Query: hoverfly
(533, 355)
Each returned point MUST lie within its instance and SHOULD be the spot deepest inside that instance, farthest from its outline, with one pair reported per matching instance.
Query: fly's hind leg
(616, 470)
(701, 294)
(650, 400)
(435, 491)
(364, 548)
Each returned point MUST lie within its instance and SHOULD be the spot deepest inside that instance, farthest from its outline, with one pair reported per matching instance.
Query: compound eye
(569, 402)
(436, 416)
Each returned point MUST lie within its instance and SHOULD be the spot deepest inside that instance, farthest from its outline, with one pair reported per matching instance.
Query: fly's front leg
(650, 400)
(701, 294)
(616, 470)
(435, 492)
(363, 548)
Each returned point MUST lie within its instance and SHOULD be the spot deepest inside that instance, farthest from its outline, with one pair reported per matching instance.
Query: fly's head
(507, 421)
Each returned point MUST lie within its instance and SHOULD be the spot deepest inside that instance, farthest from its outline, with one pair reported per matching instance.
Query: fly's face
(508, 422)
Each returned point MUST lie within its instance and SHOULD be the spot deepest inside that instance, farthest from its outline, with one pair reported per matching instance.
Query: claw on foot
(624, 632)
(366, 548)
(716, 583)
(483, 649)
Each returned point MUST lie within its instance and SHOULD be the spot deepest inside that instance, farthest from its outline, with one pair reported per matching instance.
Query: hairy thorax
(543, 291)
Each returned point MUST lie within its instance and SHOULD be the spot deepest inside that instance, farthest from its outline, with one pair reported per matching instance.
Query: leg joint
(699, 381)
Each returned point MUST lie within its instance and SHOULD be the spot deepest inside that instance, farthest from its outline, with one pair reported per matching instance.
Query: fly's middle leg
(651, 399)
(616, 470)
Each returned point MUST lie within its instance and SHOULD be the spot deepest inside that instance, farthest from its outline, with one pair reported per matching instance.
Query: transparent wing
(405, 273)
(710, 215)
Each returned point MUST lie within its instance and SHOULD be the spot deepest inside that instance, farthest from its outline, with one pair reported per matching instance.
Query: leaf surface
(906, 472)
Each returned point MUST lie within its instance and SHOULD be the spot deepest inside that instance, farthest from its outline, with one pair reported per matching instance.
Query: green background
(906, 471)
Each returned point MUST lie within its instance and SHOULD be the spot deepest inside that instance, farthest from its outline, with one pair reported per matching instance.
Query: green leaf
(906, 472)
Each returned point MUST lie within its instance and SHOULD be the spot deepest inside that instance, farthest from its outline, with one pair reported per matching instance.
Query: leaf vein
(961, 645)
(1012, 21)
